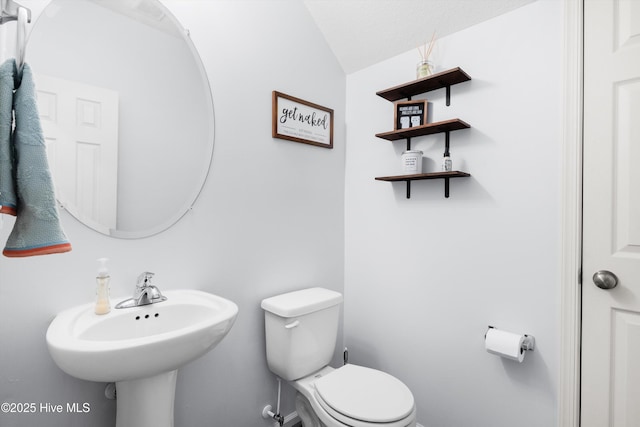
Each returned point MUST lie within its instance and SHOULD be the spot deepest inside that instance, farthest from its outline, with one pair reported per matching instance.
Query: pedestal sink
(140, 349)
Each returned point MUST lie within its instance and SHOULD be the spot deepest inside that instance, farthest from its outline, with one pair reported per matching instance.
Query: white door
(611, 317)
(80, 126)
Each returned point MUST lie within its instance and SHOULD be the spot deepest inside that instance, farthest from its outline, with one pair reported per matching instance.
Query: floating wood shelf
(430, 175)
(428, 129)
(445, 79)
(421, 176)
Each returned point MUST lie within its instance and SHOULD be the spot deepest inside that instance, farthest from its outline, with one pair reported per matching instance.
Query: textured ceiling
(364, 32)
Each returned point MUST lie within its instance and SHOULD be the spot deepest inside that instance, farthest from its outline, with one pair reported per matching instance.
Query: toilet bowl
(301, 329)
(353, 396)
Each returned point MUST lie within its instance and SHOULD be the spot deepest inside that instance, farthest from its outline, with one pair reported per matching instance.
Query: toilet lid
(365, 394)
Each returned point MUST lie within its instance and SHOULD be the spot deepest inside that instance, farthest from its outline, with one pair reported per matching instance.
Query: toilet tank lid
(301, 302)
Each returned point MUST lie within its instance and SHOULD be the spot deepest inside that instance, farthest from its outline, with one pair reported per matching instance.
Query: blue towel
(8, 201)
(37, 229)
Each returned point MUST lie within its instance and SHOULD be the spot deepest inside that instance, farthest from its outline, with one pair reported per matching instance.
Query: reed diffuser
(425, 66)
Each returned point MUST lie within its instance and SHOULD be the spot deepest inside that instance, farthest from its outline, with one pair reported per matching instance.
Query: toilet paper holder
(528, 343)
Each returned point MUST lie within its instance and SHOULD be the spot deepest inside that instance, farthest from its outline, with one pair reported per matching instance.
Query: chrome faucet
(145, 293)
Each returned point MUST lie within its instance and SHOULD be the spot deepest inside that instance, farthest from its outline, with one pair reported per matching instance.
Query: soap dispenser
(102, 294)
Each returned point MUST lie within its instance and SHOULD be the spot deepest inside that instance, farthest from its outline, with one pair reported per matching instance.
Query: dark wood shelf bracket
(446, 143)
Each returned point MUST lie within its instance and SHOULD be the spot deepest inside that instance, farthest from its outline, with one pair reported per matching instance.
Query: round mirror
(126, 111)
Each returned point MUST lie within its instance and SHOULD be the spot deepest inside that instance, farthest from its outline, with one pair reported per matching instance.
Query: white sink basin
(139, 342)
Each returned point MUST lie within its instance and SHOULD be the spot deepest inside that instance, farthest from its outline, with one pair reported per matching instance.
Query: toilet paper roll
(504, 344)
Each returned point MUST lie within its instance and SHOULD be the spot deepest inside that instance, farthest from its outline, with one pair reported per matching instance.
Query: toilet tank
(301, 329)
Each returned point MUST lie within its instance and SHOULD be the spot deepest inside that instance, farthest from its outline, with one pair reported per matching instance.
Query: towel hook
(21, 37)
(10, 10)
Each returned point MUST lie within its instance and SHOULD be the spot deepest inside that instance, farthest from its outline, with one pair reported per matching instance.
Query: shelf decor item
(447, 164)
(425, 67)
(410, 114)
(297, 120)
(412, 161)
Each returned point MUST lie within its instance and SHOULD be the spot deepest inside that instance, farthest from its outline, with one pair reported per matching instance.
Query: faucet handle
(144, 279)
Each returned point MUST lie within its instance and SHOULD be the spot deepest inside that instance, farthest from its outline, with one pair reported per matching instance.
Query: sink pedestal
(146, 402)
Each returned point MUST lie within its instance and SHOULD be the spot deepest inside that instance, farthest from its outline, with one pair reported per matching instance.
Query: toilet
(301, 329)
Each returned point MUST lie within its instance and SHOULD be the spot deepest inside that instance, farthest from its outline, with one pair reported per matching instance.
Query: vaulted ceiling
(364, 32)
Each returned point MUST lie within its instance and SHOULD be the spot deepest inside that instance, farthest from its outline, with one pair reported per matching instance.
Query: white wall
(270, 220)
(425, 277)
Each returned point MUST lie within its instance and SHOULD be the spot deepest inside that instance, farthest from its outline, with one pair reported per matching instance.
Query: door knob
(605, 279)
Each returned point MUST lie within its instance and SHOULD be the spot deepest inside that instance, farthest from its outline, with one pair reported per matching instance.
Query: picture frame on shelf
(297, 120)
(410, 114)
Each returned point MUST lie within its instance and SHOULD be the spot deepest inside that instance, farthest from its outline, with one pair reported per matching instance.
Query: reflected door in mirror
(80, 126)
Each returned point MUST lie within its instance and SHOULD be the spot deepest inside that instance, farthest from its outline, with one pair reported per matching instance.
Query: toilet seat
(359, 396)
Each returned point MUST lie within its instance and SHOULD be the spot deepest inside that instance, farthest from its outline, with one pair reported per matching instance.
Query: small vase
(424, 69)
(447, 164)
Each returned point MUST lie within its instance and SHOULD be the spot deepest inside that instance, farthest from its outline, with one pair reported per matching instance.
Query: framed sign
(410, 114)
(297, 120)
